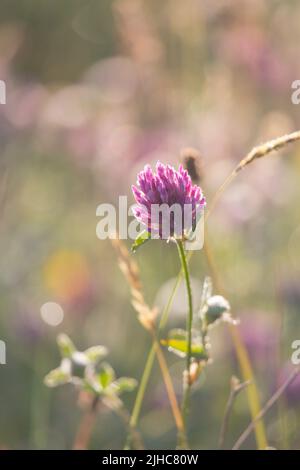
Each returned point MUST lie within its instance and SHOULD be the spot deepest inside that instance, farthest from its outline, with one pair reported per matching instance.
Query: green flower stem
(189, 323)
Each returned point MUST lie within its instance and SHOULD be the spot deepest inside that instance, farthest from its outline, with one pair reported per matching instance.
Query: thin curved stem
(266, 408)
(189, 323)
(150, 360)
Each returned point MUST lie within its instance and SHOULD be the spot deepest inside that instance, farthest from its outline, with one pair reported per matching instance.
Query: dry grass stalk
(235, 388)
(257, 152)
(130, 270)
(266, 408)
(266, 148)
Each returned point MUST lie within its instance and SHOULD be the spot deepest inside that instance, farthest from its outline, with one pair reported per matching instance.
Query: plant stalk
(86, 427)
(189, 324)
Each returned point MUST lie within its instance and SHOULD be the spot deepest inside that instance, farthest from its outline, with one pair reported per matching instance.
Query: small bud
(216, 306)
(192, 162)
(216, 309)
(79, 363)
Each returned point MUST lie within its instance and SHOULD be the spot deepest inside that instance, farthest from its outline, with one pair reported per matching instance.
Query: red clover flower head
(167, 196)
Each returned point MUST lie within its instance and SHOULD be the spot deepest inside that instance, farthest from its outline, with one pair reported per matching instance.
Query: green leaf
(144, 237)
(106, 375)
(95, 353)
(178, 344)
(65, 345)
(180, 348)
(124, 384)
(57, 377)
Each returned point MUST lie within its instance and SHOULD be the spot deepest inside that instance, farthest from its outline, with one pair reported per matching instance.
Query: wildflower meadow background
(96, 90)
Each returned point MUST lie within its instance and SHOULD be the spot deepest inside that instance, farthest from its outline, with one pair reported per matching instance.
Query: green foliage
(85, 370)
(140, 240)
(57, 377)
(95, 353)
(65, 345)
(177, 343)
(212, 310)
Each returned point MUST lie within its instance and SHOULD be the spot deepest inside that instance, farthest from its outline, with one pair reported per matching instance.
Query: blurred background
(95, 90)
